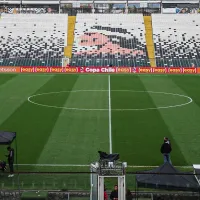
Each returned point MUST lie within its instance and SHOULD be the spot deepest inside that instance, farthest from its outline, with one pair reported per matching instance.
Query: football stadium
(99, 100)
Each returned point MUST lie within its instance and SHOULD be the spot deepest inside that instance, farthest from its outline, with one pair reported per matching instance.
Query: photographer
(166, 150)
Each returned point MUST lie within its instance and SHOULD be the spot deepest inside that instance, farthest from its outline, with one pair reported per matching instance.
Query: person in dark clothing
(114, 193)
(2, 165)
(129, 196)
(166, 150)
(11, 160)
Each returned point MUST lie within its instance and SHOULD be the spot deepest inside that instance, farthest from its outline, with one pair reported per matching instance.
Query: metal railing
(79, 183)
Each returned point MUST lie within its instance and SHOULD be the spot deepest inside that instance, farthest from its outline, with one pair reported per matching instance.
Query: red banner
(9, 69)
(71, 70)
(27, 69)
(97, 70)
(159, 70)
(175, 70)
(189, 70)
(123, 70)
(101, 70)
(41, 69)
(145, 70)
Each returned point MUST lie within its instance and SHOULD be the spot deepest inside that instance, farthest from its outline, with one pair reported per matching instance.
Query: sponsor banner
(159, 70)
(56, 70)
(49, 69)
(177, 10)
(175, 70)
(163, 70)
(72, 70)
(145, 70)
(27, 69)
(169, 10)
(134, 70)
(9, 69)
(188, 10)
(106, 70)
(189, 70)
(41, 69)
(97, 70)
(123, 70)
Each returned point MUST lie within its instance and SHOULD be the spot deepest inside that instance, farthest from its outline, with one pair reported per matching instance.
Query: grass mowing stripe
(181, 121)
(187, 124)
(137, 135)
(33, 124)
(110, 119)
(78, 135)
(15, 92)
(190, 85)
(4, 78)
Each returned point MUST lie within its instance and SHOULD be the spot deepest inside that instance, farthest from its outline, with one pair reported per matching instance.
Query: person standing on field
(11, 160)
(166, 150)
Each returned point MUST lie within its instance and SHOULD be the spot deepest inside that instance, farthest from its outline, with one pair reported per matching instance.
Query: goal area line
(80, 165)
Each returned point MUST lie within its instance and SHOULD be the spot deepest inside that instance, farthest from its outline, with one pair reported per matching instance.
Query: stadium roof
(181, 1)
(51, 2)
(6, 138)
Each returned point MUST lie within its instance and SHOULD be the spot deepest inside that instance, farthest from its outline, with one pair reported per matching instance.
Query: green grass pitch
(115, 116)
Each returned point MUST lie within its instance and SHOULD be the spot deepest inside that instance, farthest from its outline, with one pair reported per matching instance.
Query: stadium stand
(109, 39)
(32, 40)
(176, 40)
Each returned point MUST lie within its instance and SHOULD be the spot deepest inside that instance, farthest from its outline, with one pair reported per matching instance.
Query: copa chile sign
(102, 70)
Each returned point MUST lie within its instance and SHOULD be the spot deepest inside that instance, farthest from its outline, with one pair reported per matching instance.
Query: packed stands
(32, 40)
(109, 39)
(176, 39)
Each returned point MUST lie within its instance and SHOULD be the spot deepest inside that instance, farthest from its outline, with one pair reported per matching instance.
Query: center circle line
(106, 109)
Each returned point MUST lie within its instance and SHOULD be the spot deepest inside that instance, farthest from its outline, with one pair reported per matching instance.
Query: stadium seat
(176, 39)
(106, 39)
(32, 40)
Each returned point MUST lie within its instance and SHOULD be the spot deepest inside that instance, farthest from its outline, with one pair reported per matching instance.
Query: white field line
(80, 165)
(53, 165)
(109, 111)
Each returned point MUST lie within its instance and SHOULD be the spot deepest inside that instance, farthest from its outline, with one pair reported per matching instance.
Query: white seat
(177, 35)
(33, 36)
(113, 36)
